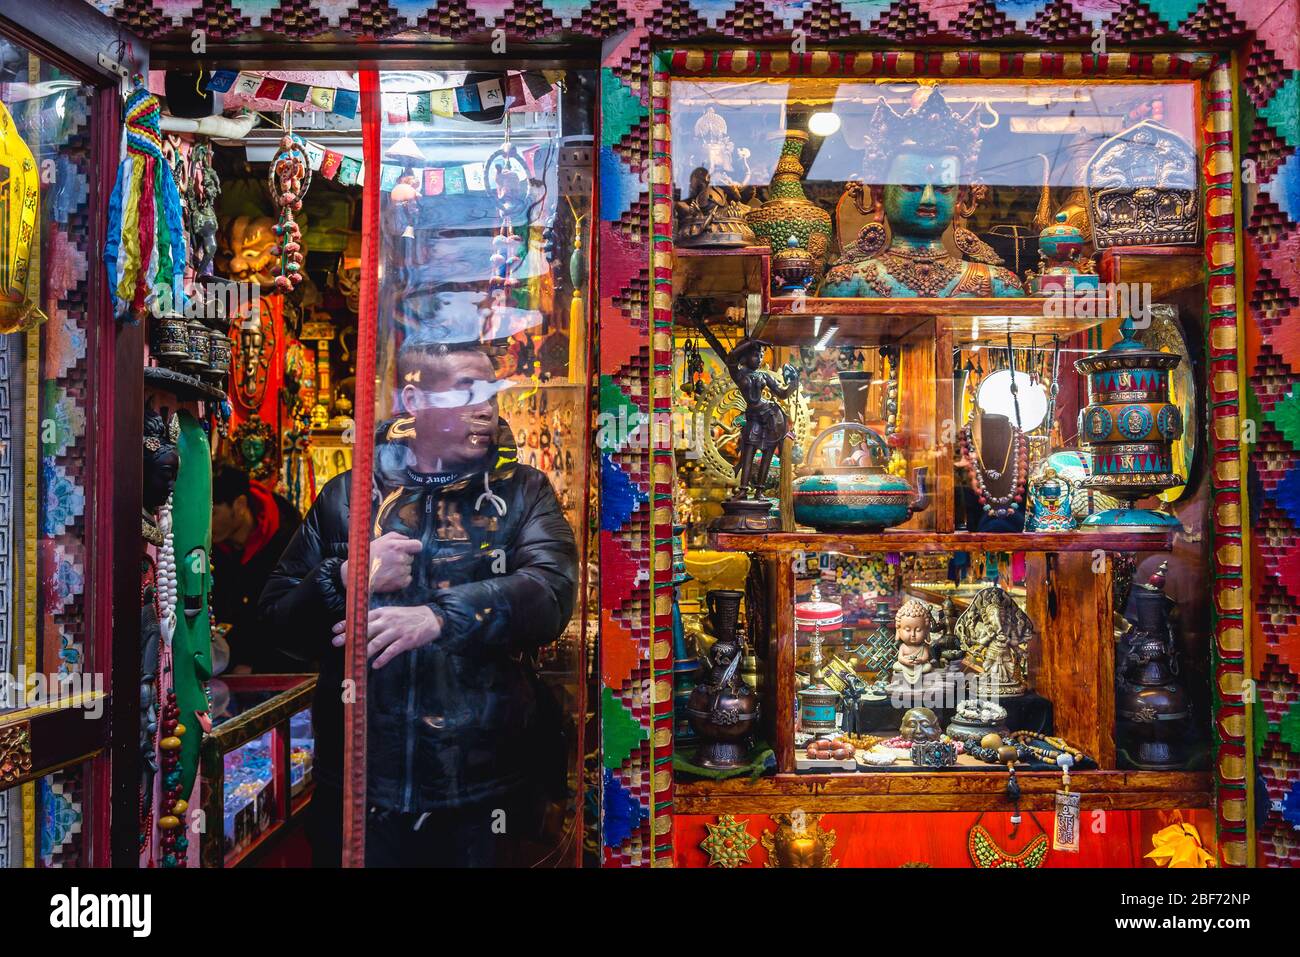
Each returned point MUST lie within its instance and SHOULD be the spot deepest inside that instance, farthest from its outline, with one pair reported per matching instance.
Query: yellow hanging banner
(20, 199)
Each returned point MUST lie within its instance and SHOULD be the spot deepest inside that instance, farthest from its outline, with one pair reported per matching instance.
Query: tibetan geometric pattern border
(1263, 37)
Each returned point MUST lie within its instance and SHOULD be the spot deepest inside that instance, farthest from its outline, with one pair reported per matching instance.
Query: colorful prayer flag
(490, 94)
(323, 96)
(346, 102)
(222, 80)
(315, 154)
(467, 100)
(349, 172)
(475, 177)
(419, 107)
(330, 164)
(270, 88)
(443, 102)
(247, 84)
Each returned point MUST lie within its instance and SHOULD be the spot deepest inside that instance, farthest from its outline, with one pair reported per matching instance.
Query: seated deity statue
(920, 157)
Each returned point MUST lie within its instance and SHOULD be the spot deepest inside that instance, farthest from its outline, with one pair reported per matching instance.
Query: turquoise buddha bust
(919, 156)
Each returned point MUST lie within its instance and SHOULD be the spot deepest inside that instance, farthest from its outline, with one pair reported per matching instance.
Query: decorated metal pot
(170, 347)
(198, 347)
(1129, 424)
(219, 355)
(859, 496)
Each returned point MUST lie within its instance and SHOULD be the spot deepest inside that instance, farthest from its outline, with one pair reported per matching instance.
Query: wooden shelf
(973, 790)
(723, 273)
(902, 540)
(875, 321)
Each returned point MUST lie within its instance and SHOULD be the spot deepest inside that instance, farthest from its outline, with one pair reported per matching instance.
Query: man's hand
(393, 631)
(391, 557)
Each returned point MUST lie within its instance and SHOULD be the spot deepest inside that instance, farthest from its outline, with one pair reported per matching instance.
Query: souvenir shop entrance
(308, 252)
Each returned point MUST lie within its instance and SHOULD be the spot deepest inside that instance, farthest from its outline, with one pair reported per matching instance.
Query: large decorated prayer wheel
(1130, 426)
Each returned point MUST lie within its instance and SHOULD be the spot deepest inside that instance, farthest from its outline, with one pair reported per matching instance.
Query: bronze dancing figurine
(766, 426)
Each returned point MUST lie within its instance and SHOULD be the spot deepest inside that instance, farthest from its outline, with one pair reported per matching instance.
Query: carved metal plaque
(1144, 189)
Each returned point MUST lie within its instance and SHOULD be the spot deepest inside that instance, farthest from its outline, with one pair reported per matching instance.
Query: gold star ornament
(728, 842)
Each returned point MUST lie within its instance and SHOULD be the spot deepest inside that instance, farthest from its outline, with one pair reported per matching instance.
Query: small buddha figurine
(713, 216)
(912, 629)
(919, 157)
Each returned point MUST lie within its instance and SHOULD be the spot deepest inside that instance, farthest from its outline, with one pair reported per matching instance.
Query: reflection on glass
(44, 377)
(479, 471)
(248, 796)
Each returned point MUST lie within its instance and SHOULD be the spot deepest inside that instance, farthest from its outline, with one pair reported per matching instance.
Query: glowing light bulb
(823, 124)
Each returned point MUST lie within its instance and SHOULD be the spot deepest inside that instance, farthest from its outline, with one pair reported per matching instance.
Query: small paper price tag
(1065, 827)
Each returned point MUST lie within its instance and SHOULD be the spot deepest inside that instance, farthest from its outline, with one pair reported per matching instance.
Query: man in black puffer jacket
(473, 568)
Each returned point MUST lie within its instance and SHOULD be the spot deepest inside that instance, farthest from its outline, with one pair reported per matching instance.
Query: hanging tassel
(144, 251)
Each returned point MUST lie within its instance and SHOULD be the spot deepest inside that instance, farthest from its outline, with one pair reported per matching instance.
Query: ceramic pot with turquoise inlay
(859, 497)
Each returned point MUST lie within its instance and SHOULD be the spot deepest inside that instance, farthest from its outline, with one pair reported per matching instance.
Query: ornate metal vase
(788, 210)
(793, 269)
(1151, 706)
(723, 711)
(1130, 426)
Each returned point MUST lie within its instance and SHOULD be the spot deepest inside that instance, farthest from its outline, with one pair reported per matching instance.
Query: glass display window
(47, 320)
(475, 681)
(939, 372)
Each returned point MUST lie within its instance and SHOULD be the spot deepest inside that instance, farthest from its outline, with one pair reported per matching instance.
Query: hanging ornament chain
(897, 465)
(290, 177)
(1017, 459)
(507, 247)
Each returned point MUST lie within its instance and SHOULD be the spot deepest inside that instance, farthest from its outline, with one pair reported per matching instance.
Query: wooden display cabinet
(1072, 663)
(1069, 599)
(261, 709)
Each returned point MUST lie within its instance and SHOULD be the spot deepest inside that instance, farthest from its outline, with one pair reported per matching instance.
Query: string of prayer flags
(516, 91)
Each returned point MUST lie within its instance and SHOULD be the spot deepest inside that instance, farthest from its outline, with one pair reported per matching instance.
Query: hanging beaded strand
(172, 842)
(290, 176)
(897, 464)
(507, 247)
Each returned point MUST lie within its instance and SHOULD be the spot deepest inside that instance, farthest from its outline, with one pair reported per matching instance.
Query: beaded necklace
(984, 851)
(172, 842)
